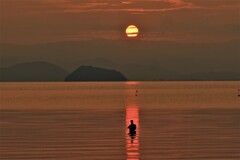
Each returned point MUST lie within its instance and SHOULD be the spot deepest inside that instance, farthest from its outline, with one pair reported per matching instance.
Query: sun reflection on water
(132, 141)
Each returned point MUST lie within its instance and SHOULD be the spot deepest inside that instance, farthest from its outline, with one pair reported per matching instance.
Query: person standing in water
(132, 128)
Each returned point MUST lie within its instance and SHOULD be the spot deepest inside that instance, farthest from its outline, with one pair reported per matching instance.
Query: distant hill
(89, 73)
(138, 60)
(156, 72)
(133, 71)
(43, 72)
(33, 72)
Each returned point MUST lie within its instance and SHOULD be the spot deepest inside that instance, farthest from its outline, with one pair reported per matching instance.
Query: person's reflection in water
(132, 130)
(132, 137)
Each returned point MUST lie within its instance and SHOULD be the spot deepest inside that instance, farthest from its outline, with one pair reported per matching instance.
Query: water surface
(175, 120)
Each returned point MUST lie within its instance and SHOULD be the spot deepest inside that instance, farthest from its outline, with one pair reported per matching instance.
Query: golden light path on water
(132, 142)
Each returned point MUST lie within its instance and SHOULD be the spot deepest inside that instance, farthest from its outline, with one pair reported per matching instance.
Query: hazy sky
(191, 21)
(190, 35)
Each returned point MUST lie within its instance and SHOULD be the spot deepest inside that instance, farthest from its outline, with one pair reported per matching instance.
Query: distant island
(89, 73)
(103, 70)
(33, 72)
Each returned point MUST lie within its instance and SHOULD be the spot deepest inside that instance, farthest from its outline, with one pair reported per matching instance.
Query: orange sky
(177, 37)
(189, 21)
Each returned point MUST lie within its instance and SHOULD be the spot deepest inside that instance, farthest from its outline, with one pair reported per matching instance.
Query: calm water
(88, 121)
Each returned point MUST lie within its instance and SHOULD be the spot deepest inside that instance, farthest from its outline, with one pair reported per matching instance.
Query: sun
(132, 31)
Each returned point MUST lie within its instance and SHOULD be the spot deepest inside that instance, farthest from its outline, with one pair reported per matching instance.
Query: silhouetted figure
(132, 128)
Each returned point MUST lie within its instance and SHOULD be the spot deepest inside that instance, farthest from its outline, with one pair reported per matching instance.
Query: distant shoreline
(119, 81)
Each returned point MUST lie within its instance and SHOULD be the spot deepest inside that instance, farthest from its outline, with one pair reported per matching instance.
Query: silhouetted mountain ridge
(133, 71)
(98, 69)
(33, 72)
(178, 57)
(89, 73)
